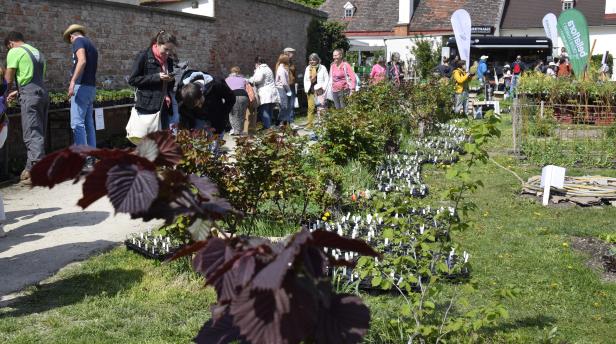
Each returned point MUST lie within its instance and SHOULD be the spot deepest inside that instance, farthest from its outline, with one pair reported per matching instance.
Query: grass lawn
(119, 297)
(116, 297)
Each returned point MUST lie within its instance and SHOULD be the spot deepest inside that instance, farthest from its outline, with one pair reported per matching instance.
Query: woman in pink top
(342, 79)
(378, 72)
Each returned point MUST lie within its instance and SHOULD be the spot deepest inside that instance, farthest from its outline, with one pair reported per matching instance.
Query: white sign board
(551, 176)
(99, 118)
(461, 24)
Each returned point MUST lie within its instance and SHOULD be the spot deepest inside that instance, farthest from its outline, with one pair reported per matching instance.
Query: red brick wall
(241, 30)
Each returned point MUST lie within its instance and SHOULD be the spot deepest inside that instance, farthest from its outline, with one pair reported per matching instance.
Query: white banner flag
(549, 25)
(461, 24)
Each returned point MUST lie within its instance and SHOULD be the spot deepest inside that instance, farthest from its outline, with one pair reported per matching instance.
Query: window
(349, 10)
(568, 4)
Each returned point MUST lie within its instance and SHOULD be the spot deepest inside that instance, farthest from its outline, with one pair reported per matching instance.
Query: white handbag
(140, 125)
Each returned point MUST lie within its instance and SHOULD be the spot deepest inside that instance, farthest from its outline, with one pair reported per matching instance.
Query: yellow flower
(324, 218)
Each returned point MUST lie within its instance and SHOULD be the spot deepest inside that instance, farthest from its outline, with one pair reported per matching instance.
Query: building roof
(522, 14)
(371, 16)
(435, 15)
(157, 2)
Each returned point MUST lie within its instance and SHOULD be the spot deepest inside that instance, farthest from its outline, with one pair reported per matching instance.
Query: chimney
(405, 13)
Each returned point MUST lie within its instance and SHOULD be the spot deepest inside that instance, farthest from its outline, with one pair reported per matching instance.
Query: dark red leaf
(257, 313)
(95, 185)
(221, 331)
(314, 261)
(188, 250)
(236, 278)
(204, 185)
(332, 240)
(346, 320)
(300, 322)
(272, 275)
(131, 189)
(147, 149)
(169, 152)
(57, 167)
(211, 257)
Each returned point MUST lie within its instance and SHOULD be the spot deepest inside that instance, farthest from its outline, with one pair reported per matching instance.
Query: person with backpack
(342, 80)
(26, 66)
(517, 69)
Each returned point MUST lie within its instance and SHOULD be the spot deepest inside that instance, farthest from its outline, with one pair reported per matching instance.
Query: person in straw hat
(82, 86)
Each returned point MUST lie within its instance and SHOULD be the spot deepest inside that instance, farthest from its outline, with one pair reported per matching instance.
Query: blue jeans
(82, 115)
(514, 85)
(286, 113)
(265, 113)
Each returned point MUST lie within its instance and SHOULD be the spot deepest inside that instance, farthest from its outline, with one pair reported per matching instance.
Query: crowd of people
(499, 76)
(169, 95)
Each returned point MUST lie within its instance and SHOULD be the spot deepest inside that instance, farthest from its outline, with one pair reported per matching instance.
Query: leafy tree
(427, 58)
(324, 37)
(310, 3)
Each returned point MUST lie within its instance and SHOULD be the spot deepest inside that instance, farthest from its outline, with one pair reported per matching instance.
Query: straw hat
(71, 29)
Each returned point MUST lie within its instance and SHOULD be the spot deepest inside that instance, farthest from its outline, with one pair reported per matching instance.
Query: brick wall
(241, 30)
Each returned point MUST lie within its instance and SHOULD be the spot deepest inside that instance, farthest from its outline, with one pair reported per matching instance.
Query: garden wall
(241, 30)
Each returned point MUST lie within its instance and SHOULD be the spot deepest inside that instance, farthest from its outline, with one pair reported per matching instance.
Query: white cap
(288, 50)
(552, 64)
(484, 57)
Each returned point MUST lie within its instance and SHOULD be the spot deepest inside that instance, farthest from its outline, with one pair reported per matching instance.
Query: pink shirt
(339, 76)
(377, 74)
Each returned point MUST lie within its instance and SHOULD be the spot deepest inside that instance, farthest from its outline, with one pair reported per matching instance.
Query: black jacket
(219, 100)
(145, 76)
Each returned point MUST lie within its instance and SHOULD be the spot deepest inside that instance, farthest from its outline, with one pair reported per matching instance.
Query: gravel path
(46, 231)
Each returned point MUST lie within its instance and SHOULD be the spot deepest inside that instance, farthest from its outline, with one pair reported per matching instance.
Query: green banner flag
(573, 30)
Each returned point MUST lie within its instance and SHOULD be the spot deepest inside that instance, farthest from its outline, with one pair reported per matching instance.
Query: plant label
(99, 118)
(551, 176)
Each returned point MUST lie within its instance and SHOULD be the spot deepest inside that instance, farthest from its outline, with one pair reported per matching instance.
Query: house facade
(395, 25)
(524, 18)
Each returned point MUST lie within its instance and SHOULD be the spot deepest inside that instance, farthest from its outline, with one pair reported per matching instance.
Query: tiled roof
(435, 15)
(521, 14)
(369, 16)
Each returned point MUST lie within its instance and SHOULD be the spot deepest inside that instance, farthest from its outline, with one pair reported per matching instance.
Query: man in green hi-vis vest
(26, 66)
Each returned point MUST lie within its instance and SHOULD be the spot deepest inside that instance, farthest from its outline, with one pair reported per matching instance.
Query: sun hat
(71, 29)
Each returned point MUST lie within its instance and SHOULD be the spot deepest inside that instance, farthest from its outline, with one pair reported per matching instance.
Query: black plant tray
(160, 257)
